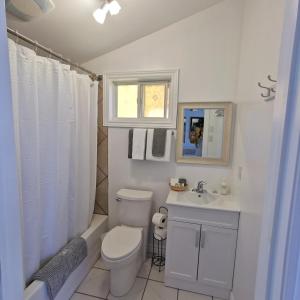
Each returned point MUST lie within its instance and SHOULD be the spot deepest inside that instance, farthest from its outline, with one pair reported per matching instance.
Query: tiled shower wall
(101, 204)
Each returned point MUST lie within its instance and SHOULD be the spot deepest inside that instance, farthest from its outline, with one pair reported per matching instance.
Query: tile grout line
(108, 290)
(147, 278)
(147, 281)
(88, 295)
(156, 280)
(94, 267)
(144, 290)
(100, 268)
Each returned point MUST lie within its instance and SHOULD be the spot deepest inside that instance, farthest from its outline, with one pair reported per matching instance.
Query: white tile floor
(148, 286)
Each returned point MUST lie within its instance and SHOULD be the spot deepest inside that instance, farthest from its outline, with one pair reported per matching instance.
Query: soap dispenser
(224, 187)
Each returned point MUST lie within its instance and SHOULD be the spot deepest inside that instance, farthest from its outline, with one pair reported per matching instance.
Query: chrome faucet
(200, 187)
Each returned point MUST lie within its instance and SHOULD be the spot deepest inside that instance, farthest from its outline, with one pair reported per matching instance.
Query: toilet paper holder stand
(158, 258)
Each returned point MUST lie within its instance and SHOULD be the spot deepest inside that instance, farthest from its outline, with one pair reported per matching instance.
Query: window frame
(110, 105)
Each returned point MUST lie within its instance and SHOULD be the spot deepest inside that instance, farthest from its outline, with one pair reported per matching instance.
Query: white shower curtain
(55, 112)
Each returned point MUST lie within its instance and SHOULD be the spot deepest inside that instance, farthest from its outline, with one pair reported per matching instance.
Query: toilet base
(122, 279)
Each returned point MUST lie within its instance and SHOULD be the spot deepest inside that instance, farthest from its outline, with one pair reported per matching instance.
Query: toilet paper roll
(160, 233)
(159, 219)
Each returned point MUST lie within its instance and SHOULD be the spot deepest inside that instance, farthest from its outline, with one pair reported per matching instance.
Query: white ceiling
(71, 30)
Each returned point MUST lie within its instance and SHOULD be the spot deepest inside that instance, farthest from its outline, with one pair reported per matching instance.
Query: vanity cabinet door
(182, 250)
(217, 256)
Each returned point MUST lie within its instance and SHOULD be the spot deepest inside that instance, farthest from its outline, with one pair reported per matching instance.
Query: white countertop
(225, 203)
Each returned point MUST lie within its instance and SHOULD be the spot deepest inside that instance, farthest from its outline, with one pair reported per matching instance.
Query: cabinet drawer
(212, 217)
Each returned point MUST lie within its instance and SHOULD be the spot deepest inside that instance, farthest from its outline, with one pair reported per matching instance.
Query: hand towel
(159, 142)
(130, 137)
(167, 155)
(139, 144)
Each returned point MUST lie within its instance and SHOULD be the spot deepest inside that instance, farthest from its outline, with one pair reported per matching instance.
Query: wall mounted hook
(271, 79)
(266, 88)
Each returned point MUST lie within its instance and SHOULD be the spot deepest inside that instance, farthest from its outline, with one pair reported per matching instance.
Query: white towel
(167, 155)
(139, 144)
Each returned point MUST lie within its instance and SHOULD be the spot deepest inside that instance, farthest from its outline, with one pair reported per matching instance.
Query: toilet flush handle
(118, 199)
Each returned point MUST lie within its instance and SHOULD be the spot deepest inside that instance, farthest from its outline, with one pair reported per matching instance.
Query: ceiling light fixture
(111, 6)
(114, 7)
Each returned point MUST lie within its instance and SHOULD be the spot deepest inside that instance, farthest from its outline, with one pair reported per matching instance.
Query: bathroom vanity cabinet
(201, 246)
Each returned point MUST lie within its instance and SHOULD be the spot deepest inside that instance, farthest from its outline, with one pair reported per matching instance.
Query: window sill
(140, 124)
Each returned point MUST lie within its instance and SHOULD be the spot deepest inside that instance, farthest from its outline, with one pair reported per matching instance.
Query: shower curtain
(55, 115)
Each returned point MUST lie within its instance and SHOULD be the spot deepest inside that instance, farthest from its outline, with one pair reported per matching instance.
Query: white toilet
(124, 247)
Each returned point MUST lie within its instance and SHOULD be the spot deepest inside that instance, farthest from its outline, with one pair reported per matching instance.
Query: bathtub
(37, 289)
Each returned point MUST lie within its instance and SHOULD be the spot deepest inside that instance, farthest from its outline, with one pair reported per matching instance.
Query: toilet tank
(134, 207)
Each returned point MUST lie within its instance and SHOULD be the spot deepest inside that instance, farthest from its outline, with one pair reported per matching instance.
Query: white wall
(261, 35)
(222, 53)
(205, 47)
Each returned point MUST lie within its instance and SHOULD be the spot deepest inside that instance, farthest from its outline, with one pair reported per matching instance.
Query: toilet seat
(121, 241)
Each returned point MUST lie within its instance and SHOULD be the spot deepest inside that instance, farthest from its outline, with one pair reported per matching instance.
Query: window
(127, 100)
(141, 99)
(155, 100)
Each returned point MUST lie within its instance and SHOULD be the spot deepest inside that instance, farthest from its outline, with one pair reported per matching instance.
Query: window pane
(154, 100)
(127, 101)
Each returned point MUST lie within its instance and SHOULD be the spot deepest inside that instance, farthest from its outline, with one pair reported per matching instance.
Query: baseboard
(197, 287)
(231, 296)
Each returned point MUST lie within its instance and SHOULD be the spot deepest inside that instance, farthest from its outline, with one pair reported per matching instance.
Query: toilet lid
(128, 194)
(121, 241)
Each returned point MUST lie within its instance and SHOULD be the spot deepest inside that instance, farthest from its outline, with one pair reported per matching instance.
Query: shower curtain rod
(92, 75)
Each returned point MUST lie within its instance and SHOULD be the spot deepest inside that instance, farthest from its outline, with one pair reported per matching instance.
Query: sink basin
(207, 200)
(196, 198)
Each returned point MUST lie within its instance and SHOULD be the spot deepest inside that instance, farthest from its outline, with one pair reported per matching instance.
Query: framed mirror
(204, 133)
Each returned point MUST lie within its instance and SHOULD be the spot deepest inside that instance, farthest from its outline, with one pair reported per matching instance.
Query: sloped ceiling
(71, 30)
